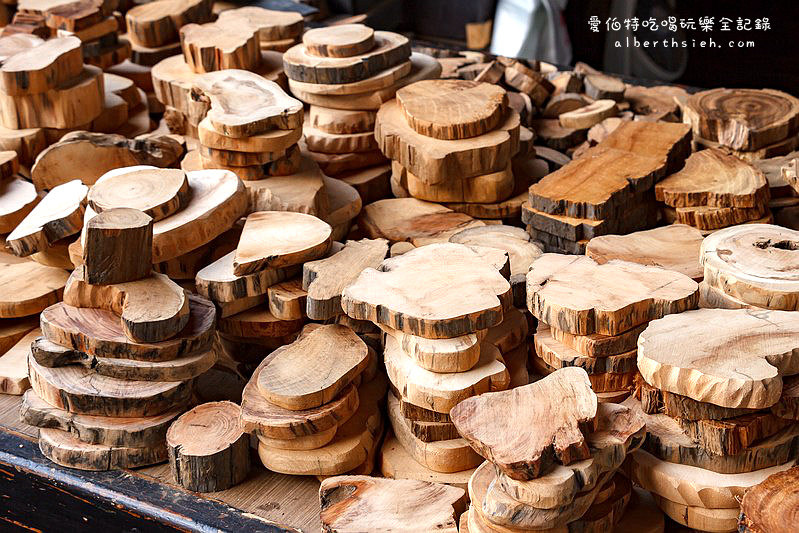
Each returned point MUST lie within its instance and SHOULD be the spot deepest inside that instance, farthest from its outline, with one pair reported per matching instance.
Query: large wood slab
(42, 67)
(727, 357)
(27, 288)
(158, 193)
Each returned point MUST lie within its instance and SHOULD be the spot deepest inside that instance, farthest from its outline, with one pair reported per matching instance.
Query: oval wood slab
(28, 288)
(219, 283)
(272, 25)
(345, 40)
(158, 193)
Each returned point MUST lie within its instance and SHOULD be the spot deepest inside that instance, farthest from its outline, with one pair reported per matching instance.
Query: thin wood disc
(338, 121)
(17, 199)
(380, 83)
(28, 288)
(345, 40)
(272, 24)
(158, 193)
(64, 449)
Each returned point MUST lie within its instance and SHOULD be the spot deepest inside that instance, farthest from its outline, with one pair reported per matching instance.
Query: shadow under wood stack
(607, 190)
(117, 358)
(552, 455)
(719, 389)
(440, 352)
(227, 43)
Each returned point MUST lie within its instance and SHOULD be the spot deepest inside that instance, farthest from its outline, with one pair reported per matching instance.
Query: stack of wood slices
(95, 24)
(446, 339)
(715, 190)
(345, 73)
(608, 189)
(117, 358)
(277, 30)
(751, 266)
(552, 454)
(719, 390)
(590, 315)
(225, 44)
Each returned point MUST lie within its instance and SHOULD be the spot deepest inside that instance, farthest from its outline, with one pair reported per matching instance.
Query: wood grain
(27, 288)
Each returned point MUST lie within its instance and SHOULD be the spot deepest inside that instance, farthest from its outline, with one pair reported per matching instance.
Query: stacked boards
(117, 358)
(591, 315)
(552, 454)
(315, 414)
(607, 190)
(715, 190)
(718, 389)
(750, 124)
(437, 349)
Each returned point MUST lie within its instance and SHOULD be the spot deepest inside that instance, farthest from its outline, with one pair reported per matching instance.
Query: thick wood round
(118, 246)
(208, 451)
(452, 109)
(487, 188)
(586, 116)
(344, 40)
(271, 141)
(42, 67)
(158, 192)
(379, 84)
(213, 46)
(158, 24)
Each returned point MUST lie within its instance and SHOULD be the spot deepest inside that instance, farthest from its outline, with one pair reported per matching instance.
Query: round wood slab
(158, 192)
(345, 40)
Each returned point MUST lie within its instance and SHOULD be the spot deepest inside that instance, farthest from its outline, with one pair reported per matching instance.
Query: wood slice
(605, 310)
(436, 160)
(617, 434)
(655, 401)
(397, 463)
(696, 487)
(330, 143)
(597, 345)
(284, 382)
(158, 24)
(373, 296)
(58, 215)
(13, 330)
(257, 323)
(701, 372)
(586, 116)
(562, 103)
(743, 119)
(444, 456)
(100, 333)
(441, 392)
(389, 49)
(14, 365)
(108, 431)
(510, 334)
(628, 161)
(97, 153)
(383, 82)
(208, 451)
(271, 24)
(26, 143)
(550, 133)
(78, 390)
(713, 178)
(733, 435)
(362, 503)
(271, 141)
(260, 105)
(218, 282)
(118, 247)
(517, 242)
(656, 103)
(341, 122)
(752, 264)
(325, 279)
(770, 505)
(152, 309)
(64, 449)
(293, 238)
(487, 188)
(344, 204)
(336, 164)
(452, 109)
(211, 47)
(699, 518)
(601, 86)
(301, 192)
(157, 192)
(423, 67)
(307, 442)
(43, 67)
(523, 450)
(674, 247)
(345, 40)
(27, 288)
(528, 82)
(712, 218)
(287, 299)
(346, 451)
(558, 355)
(458, 354)
(70, 104)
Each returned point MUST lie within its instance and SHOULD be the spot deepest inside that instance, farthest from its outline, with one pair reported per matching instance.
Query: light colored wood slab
(552, 294)
(362, 503)
(699, 518)
(269, 141)
(217, 281)
(12, 330)
(520, 449)
(64, 449)
(384, 82)
(287, 383)
(306, 442)
(301, 192)
(457, 354)
(208, 451)
(27, 288)
(344, 40)
(771, 505)
(287, 299)
(586, 116)
(271, 24)
(43, 67)
(673, 247)
(158, 24)
(257, 322)
(14, 365)
(701, 365)
(596, 345)
(558, 355)
(212, 47)
(100, 333)
(467, 275)
(57, 216)
(334, 143)
(339, 121)
(17, 198)
(397, 463)
(493, 187)
(158, 193)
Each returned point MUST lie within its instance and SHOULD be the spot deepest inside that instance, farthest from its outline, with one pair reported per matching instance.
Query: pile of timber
(718, 387)
(447, 339)
(591, 315)
(608, 189)
(552, 454)
(227, 43)
(715, 190)
(750, 124)
(750, 266)
(117, 359)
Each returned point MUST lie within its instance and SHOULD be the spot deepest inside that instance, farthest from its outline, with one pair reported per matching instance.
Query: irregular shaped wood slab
(214, 47)
(556, 294)
(558, 355)
(397, 463)
(256, 323)
(728, 357)
(363, 503)
(98, 332)
(303, 376)
(344, 40)
(17, 199)
(272, 25)
(754, 263)
(596, 345)
(220, 284)
(457, 354)
(522, 450)
(64, 449)
(674, 247)
(158, 192)
(57, 216)
(42, 67)
(280, 239)
(27, 288)
(770, 505)
(469, 294)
